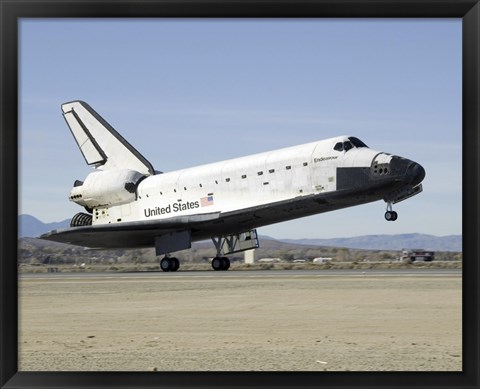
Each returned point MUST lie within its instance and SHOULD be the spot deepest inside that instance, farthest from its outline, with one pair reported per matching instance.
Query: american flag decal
(206, 201)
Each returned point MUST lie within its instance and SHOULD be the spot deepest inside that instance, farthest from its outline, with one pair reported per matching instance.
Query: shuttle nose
(407, 170)
(416, 173)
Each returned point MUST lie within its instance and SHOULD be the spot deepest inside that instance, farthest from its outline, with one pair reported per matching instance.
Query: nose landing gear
(390, 215)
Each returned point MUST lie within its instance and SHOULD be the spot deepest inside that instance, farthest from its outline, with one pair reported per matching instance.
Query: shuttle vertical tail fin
(100, 144)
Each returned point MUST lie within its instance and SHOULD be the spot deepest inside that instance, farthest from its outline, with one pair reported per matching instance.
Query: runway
(269, 320)
(252, 274)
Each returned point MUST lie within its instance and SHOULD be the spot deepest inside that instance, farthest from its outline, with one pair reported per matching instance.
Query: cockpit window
(338, 146)
(357, 142)
(350, 144)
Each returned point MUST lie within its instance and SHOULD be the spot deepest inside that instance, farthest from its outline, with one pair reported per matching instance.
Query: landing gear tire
(220, 263)
(217, 263)
(175, 264)
(225, 263)
(169, 264)
(165, 264)
(391, 216)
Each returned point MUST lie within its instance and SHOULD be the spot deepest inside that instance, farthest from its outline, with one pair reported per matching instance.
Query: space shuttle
(129, 204)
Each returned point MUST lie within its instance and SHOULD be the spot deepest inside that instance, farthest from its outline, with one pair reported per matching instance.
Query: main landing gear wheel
(220, 263)
(391, 216)
(176, 264)
(226, 263)
(169, 264)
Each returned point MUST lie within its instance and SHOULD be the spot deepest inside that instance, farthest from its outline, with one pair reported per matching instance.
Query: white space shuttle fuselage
(132, 205)
(256, 180)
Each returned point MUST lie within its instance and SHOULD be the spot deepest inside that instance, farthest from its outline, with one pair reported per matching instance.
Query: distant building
(269, 260)
(413, 255)
(321, 260)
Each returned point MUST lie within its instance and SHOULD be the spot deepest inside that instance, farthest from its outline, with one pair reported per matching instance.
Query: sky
(186, 92)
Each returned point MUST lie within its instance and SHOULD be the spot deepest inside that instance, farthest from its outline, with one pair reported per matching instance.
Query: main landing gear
(390, 215)
(220, 263)
(235, 243)
(169, 263)
(225, 244)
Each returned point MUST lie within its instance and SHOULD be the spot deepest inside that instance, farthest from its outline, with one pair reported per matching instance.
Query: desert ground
(246, 321)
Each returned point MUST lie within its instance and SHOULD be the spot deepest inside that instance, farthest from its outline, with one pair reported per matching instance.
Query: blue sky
(187, 92)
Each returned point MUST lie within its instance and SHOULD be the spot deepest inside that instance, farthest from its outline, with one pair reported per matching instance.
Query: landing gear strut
(169, 263)
(390, 215)
(234, 243)
(219, 262)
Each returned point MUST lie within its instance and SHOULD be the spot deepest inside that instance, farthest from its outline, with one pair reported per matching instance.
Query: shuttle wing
(129, 234)
(100, 144)
(202, 226)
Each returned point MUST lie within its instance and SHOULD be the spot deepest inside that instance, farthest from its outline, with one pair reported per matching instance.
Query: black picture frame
(12, 11)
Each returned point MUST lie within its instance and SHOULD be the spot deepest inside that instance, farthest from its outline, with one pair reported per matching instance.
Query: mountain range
(389, 242)
(29, 226)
